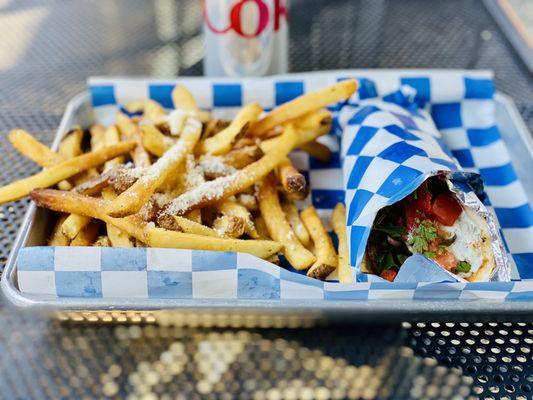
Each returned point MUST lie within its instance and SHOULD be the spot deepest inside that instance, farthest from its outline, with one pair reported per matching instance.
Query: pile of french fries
(187, 180)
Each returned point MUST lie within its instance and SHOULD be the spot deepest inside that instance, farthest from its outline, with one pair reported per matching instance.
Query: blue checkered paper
(147, 273)
(462, 107)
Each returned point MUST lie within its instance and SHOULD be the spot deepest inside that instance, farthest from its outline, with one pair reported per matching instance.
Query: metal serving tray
(265, 313)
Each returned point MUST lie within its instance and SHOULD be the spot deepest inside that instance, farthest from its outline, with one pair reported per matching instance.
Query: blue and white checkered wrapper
(389, 148)
(462, 107)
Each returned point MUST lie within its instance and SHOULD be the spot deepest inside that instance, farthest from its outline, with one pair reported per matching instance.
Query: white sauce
(467, 245)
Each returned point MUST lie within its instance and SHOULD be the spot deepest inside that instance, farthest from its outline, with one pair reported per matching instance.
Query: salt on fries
(185, 180)
(131, 201)
(221, 188)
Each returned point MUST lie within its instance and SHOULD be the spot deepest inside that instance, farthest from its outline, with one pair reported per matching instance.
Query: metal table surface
(48, 49)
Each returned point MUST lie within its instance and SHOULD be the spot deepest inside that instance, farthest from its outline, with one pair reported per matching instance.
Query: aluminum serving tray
(35, 228)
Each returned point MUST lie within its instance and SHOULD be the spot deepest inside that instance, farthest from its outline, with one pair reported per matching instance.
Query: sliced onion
(393, 242)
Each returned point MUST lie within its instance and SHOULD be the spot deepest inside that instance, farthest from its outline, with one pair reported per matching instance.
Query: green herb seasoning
(422, 236)
(463, 266)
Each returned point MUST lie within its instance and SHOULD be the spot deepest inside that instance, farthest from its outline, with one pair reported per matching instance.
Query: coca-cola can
(245, 37)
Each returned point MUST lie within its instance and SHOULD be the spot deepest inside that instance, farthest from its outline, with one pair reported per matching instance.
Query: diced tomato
(389, 274)
(423, 199)
(434, 246)
(411, 216)
(447, 260)
(418, 206)
(446, 209)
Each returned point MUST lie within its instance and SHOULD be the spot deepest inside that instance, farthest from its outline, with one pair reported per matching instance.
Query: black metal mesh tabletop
(49, 48)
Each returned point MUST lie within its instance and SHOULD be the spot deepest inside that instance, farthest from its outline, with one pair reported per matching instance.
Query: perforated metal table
(48, 49)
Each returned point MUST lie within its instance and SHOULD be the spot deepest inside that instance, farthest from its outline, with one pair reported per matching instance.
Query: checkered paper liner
(143, 273)
(461, 104)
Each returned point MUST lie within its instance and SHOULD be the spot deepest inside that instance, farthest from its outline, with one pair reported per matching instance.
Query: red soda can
(245, 37)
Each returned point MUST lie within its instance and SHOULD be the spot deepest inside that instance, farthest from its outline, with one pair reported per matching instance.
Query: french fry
(222, 188)
(138, 243)
(74, 203)
(58, 238)
(134, 106)
(133, 199)
(221, 142)
(154, 112)
(111, 137)
(123, 178)
(130, 131)
(232, 208)
(74, 224)
(317, 150)
(229, 226)
(195, 215)
(95, 185)
(116, 236)
(291, 179)
(176, 121)
(338, 222)
(314, 120)
(304, 136)
(36, 151)
(97, 137)
(302, 105)
(293, 217)
(278, 226)
(87, 236)
(70, 146)
(326, 258)
(248, 200)
(182, 98)
(97, 133)
(42, 155)
(193, 177)
(154, 141)
(245, 141)
(261, 227)
(102, 241)
(189, 226)
(240, 158)
(214, 126)
(214, 166)
(158, 237)
(61, 171)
